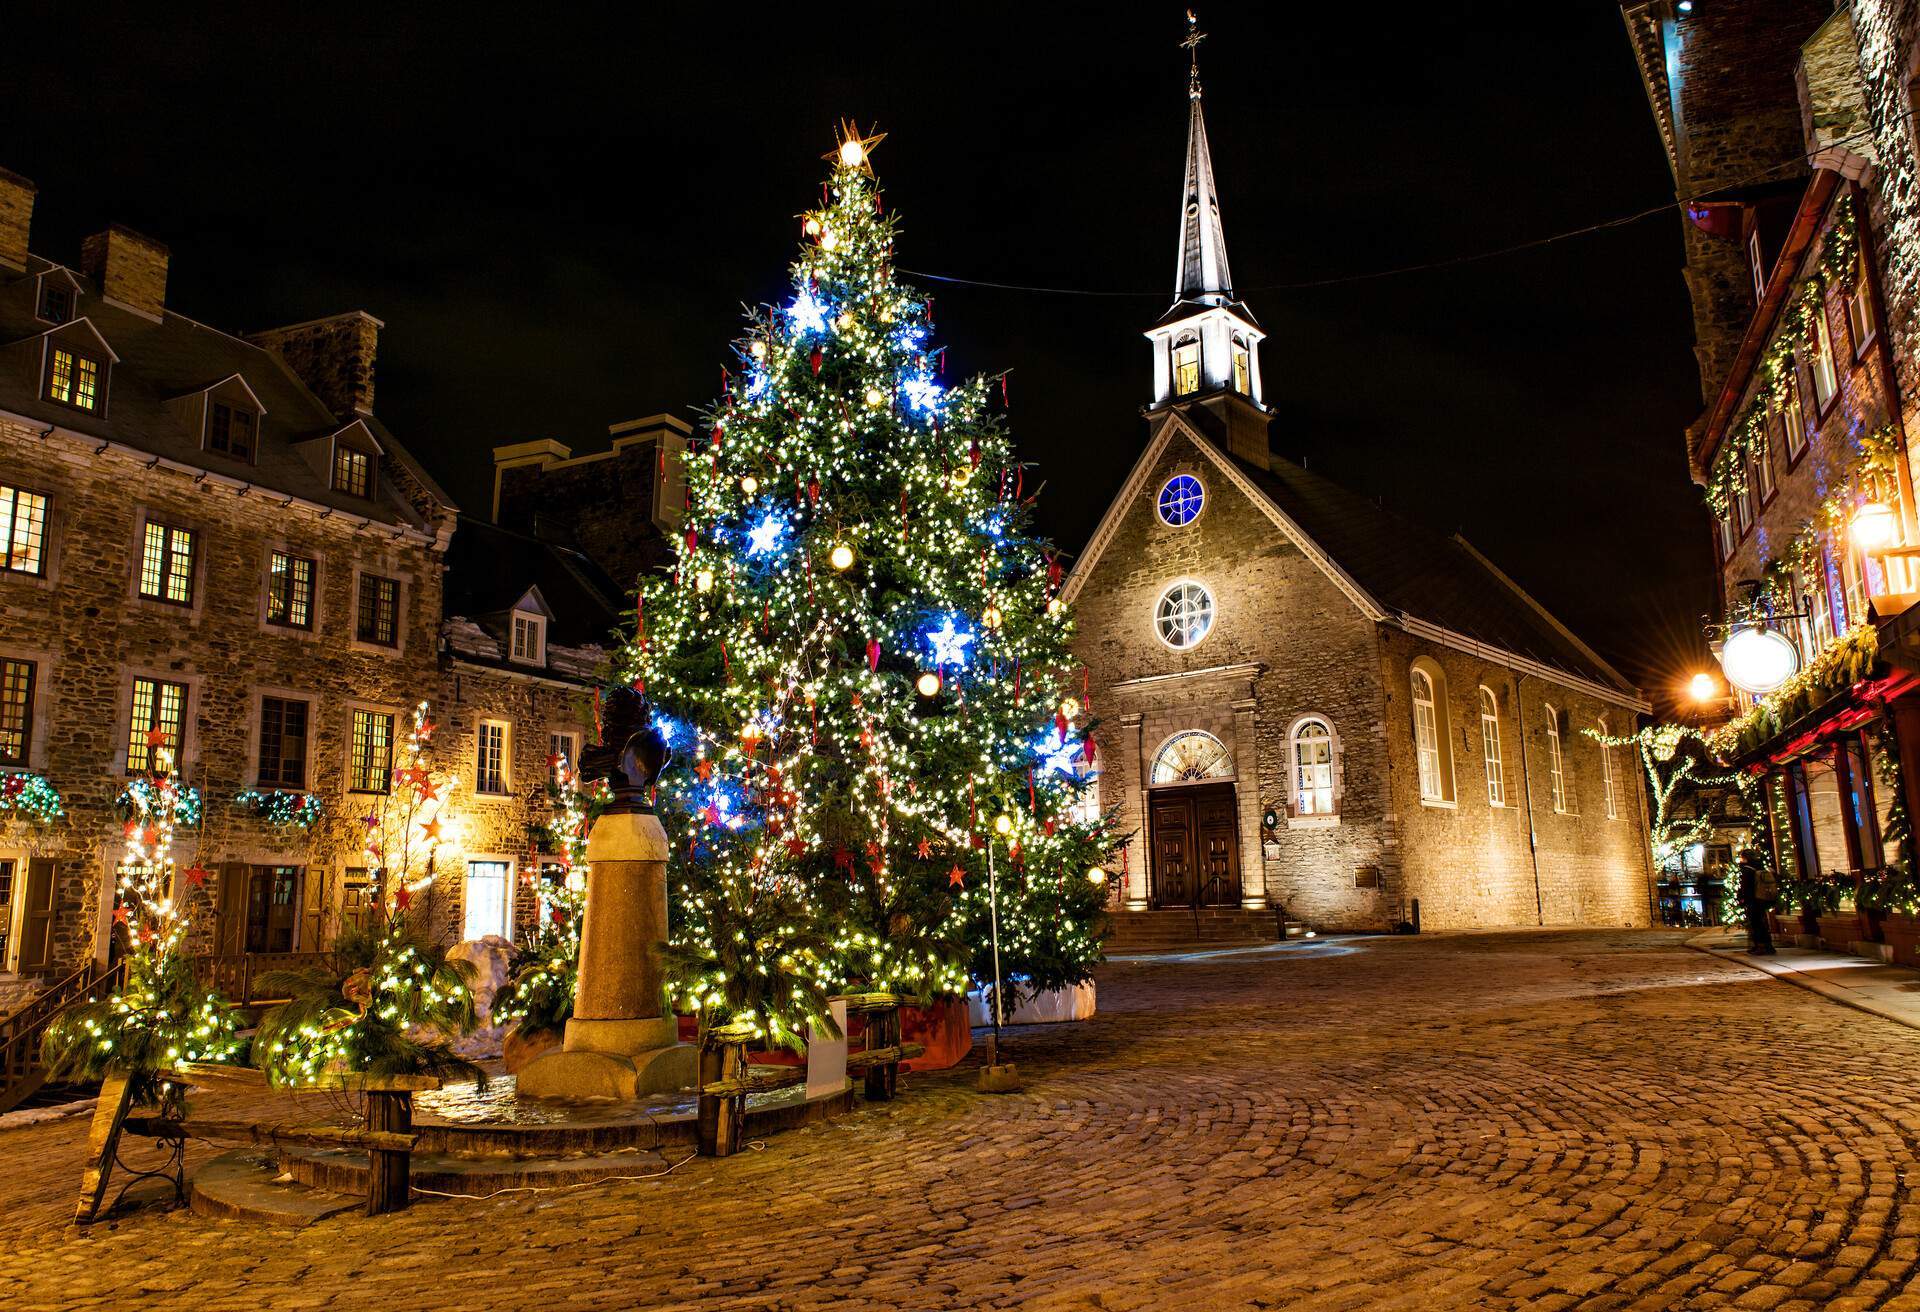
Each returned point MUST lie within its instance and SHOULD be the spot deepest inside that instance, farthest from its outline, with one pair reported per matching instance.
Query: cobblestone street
(1542, 1120)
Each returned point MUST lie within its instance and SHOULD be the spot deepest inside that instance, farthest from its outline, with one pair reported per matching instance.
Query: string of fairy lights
(861, 657)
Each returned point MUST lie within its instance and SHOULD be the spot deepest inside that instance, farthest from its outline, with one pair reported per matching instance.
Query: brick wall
(1885, 31)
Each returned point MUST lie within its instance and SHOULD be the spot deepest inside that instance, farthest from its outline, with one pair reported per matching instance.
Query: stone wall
(332, 356)
(1885, 31)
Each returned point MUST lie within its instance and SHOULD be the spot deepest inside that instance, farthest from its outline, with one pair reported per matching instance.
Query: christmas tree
(160, 1014)
(862, 665)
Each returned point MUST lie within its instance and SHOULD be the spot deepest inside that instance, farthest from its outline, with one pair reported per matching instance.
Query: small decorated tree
(160, 1014)
(863, 666)
(395, 998)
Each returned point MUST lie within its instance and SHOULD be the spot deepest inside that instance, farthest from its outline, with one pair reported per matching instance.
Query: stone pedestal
(622, 1042)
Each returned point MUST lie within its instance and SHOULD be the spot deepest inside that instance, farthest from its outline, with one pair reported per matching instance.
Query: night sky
(558, 214)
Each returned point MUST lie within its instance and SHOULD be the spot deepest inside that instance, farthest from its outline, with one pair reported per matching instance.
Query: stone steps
(343, 1171)
(1137, 931)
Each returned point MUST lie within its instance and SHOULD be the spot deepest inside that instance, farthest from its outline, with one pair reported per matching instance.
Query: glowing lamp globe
(749, 485)
(1703, 687)
(841, 557)
(875, 397)
(1757, 661)
(1003, 825)
(812, 226)
(928, 684)
(1096, 876)
(851, 153)
(1872, 525)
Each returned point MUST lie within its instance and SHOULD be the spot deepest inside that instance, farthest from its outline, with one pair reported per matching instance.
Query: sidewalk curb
(1832, 992)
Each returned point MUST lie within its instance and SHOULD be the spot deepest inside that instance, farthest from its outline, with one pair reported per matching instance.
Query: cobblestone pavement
(1541, 1120)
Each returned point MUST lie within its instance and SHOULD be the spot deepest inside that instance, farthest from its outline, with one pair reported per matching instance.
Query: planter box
(1839, 930)
(1902, 933)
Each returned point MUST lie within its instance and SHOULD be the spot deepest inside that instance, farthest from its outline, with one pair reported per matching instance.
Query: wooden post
(722, 1116)
(103, 1143)
(883, 1031)
(389, 1173)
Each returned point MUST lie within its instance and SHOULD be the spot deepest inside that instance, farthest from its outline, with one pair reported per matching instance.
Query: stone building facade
(1303, 704)
(211, 543)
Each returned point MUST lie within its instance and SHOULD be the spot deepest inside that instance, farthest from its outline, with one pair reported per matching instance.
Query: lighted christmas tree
(862, 665)
(395, 998)
(160, 1015)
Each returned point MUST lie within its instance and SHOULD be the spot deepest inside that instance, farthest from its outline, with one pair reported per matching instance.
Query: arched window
(1190, 758)
(1433, 748)
(1186, 365)
(1490, 746)
(1242, 366)
(1184, 614)
(1181, 498)
(1556, 767)
(1313, 768)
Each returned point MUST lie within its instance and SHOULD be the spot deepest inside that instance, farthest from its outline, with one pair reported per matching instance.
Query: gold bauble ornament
(1096, 876)
(928, 684)
(876, 397)
(1070, 707)
(703, 580)
(841, 557)
(991, 617)
(1003, 824)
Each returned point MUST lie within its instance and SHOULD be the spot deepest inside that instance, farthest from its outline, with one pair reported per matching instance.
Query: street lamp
(1703, 687)
(1872, 526)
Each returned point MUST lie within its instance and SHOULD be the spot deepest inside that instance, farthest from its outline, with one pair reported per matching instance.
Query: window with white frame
(563, 748)
(1820, 345)
(1607, 784)
(1184, 614)
(1556, 766)
(23, 531)
(529, 645)
(490, 764)
(1430, 741)
(1313, 768)
(487, 906)
(1490, 747)
(1860, 317)
(1242, 367)
(1186, 367)
(1763, 464)
(1793, 416)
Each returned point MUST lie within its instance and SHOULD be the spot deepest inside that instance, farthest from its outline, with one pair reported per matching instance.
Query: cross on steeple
(1192, 46)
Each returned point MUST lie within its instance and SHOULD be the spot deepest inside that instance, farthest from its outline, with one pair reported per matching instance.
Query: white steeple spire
(1200, 273)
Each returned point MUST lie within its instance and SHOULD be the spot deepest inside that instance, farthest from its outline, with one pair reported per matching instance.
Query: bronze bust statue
(630, 754)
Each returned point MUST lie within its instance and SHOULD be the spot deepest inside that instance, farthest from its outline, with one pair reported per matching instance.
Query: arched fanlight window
(1490, 740)
(1433, 749)
(1192, 758)
(1556, 766)
(1313, 768)
(1184, 614)
(1186, 365)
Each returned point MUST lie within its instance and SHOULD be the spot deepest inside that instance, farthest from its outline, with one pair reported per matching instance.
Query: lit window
(73, 379)
(1242, 368)
(283, 743)
(290, 591)
(1758, 264)
(370, 761)
(1490, 747)
(1723, 532)
(1793, 417)
(1860, 320)
(563, 749)
(56, 301)
(23, 531)
(1190, 758)
(1184, 615)
(352, 471)
(1186, 368)
(16, 711)
(1312, 768)
(1556, 771)
(529, 639)
(158, 709)
(1181, 499)
(1825, 381)
(230, 431)
(1426, 737)
(1606, 775)
(1743, 508)
(166, 563)
(379, 620)
(486, 900)
(490, 765)
(1763, 464)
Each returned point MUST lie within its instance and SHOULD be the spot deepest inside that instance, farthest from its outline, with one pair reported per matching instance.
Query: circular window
(1184, 615)
(1181, 499)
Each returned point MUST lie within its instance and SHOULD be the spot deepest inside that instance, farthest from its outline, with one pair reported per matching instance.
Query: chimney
(16, 216)
(333, 357)
(130, 270)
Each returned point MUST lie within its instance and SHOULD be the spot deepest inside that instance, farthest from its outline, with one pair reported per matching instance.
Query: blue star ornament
(949, 645)
(764, 538)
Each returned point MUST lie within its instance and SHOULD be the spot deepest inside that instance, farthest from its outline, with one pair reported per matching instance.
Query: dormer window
(1186, 367)
(56, 301)
(231, 430)
(73, 378)
(352, 471)
(529, 645)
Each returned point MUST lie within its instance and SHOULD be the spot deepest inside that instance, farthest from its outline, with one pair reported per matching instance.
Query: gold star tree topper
(854, 150)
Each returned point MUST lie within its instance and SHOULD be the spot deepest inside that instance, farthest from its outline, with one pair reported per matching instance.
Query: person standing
(1757, 895)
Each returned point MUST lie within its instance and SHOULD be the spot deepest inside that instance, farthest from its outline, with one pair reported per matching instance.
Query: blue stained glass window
(1181, 499)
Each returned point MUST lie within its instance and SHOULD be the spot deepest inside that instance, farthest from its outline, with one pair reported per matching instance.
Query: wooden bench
(880, 1056)
(387, 1136)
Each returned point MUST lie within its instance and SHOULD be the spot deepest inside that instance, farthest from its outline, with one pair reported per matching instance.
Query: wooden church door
(1196, 847)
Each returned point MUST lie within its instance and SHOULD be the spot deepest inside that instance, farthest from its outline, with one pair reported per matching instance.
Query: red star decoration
(120, 915)
(429, 791)
(843, 857)
(371, 820)
(130, 827)
(712, 813)
(432, 829)
(873, 849)
(796, 846)
(403, 898)
(553, 760)
(704, 768)
(925, 849)
(196, 874)
(157, 737)
(956, 877)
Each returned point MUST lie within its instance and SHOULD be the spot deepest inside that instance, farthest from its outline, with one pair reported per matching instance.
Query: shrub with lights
(862, 665)
(160, 1014)
(393, 999)
(544, 971)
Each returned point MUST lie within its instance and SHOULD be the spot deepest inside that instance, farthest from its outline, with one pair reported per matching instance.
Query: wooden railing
(236, 976)
(21, 1071)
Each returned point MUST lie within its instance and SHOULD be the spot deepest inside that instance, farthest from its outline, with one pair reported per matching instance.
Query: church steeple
(1200, 274)
(1206, 347)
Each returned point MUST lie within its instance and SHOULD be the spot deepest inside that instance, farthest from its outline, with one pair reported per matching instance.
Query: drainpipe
(1526, 789)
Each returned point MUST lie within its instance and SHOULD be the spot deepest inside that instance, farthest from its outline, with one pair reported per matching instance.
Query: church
(1311, 711)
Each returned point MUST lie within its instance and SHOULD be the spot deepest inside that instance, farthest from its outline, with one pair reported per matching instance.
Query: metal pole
(993, 920)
